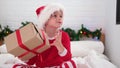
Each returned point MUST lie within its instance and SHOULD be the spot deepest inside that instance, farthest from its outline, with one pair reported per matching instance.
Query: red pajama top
(51, 57)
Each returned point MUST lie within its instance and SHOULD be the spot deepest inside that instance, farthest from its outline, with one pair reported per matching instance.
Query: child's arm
(62, 43)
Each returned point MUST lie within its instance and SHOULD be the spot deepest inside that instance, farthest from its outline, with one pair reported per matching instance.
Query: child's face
(55, 20)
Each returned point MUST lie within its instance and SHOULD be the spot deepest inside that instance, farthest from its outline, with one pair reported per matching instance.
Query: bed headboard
(102, 38)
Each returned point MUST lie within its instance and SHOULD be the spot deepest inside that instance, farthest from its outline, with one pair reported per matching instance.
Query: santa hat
(44, 12)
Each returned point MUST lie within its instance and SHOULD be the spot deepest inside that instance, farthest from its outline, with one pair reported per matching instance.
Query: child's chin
(57, 26)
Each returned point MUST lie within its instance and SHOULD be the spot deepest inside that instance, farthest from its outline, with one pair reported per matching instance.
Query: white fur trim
(46, 13)
(70, 64)
(64, 52)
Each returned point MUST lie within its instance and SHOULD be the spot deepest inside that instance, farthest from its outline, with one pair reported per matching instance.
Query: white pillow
(5, 57)
(78, 48)
(3, 49)
(8, 60)
(82, 48)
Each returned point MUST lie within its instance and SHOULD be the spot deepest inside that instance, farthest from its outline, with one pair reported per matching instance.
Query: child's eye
(61, 16)
(55, 15)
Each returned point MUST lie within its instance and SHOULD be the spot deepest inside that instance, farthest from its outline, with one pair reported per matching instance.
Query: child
(51, 19)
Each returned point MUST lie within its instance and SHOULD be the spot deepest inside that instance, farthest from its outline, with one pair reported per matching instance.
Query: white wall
(112, 33)
(88, 12)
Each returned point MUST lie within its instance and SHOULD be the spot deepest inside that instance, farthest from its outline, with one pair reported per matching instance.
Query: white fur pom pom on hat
(44, 12)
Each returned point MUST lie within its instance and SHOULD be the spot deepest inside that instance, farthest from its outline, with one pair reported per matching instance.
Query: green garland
(24, 23)
(74, 36)
(83, 32)
(6, 30)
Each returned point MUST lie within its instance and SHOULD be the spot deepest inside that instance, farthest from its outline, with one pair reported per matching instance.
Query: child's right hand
(58, 44)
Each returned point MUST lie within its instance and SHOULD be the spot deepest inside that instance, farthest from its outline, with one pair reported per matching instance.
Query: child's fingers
(59, 36)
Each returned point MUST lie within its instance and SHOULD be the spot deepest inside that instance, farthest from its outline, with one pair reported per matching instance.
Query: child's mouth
(60, 22)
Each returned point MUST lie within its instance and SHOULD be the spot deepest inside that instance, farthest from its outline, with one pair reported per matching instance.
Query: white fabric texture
(63, 53)
(95, 61)
(93, 58)
(82, 48)
(3, 49)
(8, 60)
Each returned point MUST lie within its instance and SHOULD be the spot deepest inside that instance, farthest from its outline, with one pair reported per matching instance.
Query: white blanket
(93, 60)
(86, 54)
(8, 60)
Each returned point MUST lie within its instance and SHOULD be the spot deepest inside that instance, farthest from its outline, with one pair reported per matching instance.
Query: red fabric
(23, 66)
(51, 57)
(73, 63)
(38, 11)
(66, 65)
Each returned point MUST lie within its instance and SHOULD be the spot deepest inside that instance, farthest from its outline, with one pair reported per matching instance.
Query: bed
(89, 52)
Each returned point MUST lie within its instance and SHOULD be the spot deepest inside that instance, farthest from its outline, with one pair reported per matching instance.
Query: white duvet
(88, 54)
(94, 60)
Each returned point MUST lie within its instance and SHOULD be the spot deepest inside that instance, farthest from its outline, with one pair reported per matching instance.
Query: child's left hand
(58, 44)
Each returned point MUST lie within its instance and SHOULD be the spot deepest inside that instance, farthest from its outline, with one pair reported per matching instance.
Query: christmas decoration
(74, 35)
(71, 33)
(4, 32)
(24, 23)
(1, 41)
(96, 34)
(83, 32)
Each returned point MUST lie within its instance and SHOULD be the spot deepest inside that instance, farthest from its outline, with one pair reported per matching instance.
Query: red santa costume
(51, 57)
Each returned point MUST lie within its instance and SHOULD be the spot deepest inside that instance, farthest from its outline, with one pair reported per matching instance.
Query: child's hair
(44, 12)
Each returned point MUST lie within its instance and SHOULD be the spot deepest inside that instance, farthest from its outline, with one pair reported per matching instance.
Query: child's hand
(58, 44)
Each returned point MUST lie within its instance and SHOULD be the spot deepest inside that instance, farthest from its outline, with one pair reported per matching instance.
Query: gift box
(26, 42)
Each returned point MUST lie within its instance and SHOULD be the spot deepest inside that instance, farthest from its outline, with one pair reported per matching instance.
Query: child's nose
(59, 18)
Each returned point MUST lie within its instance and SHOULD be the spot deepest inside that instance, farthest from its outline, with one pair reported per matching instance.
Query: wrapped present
(26, 42)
